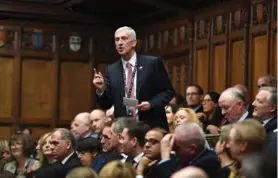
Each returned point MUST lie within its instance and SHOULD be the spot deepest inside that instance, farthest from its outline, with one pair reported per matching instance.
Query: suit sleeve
(165, 91)
(105, 99)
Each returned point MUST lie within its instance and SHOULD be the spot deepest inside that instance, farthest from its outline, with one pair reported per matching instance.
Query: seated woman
(87, 149)
(6, 155)
(170, 110)
(185, 115)
(21, 147)
(211, 113)
(228, 165)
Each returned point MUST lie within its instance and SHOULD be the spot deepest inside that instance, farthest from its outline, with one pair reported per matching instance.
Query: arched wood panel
(37, 89)
(74, 89)
(259, 59)
(6, 73)
(237, 62)
(219, 68)
(202, 68)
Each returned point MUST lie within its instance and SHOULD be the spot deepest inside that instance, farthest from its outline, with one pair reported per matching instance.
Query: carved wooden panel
(202, 29)
(74, 89)
(260, 13)
(202, 69)
(175, 37)
(178, 77)
(151, 42)
(237, 62)
(259, 60)
(159, 41)
(170, 72)
(6, 79)
(37, 89)
(7, 38)
(165, 38)
(171, 37)
(274, 58)
(237, 20)
(37, 40)
(6, 132)
(219, 25)
(77, 43)
(219, 68)
(274, 12)
(183, 35)
(38, 132)
(146, 44)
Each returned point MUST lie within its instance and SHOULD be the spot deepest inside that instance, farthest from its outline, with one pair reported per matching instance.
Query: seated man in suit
(147, 164)
(188, 142)
(233, 105)
(132, 141)
(81, 126)
(267, 80)
(62, 145)
(135, 76)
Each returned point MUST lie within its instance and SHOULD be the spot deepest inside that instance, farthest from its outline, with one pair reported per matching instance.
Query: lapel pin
(141, 67)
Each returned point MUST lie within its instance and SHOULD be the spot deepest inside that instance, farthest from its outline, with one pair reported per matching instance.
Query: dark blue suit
(153, 85)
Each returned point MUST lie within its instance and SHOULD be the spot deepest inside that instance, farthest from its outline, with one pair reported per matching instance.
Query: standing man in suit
(138, 77)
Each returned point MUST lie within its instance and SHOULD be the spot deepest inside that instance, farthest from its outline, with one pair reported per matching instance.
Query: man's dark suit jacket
(102, 159)
(153, 85)
(207, 161)
(57, 169)
(271, 125)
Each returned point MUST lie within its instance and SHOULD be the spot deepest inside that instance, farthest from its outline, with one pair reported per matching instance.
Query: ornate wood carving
(7, 39)
(202, 29)
(260, 13)
(219, 25)
(37, 40)
(165, 38)
(237, 20)
(178, 77)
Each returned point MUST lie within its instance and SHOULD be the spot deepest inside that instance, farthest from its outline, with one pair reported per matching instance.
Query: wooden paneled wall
(44, 83)
(218, 47)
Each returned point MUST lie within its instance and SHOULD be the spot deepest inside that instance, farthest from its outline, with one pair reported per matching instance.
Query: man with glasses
(194, 96)
(147, 164)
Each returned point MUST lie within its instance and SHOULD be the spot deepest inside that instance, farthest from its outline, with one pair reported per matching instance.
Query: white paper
(130, 102)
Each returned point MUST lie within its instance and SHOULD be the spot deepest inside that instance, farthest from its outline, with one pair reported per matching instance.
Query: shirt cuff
(163, 161)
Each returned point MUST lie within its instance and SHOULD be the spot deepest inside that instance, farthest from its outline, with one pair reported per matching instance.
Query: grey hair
(121, 123)
(67, 135)
(191, 133)
(236, 94)
(272, 81)
(273, 94)
(129, 30)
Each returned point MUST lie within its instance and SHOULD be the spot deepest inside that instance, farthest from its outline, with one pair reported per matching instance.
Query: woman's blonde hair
(192, 116)
(117, 169)
(225, 133)
(41, 156)
(4, 146)
(82, 172)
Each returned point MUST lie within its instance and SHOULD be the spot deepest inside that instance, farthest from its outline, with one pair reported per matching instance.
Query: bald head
(81, 125)
(98, 119)
(243, 90)
(267, 80)
(190, 172)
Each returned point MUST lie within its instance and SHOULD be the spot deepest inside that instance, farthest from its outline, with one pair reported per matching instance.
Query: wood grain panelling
(6, 71)
(202, 69)
(6, 132)
(101, 68)
(219, 68)
(37, 89)
(74, 89)
(274, 55)
(259, 60)
(237, 63)
(38, 132)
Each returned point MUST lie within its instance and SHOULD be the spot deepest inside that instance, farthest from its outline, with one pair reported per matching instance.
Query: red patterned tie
(129, 78)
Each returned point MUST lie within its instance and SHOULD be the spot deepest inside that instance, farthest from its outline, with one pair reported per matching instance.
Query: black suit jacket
(207, 161)
(153, 85)
(271, 125)
(57, 169)
(102, 159)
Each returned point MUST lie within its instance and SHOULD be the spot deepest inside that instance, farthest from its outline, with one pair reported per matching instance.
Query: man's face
(263, 109)
(86, 158)
(230, 108)
(262, 82)
(98, 122)
(192, 96)
(79, 128)
(185, 153)
(152, 144)
(109, 141)
(59, 146)
(128, 143)
(124, 43)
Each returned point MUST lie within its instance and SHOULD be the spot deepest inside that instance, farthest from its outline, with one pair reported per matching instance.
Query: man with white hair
(233, 105)
(188, 142)
(141, 78)
(190, 172)
(81, 126)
